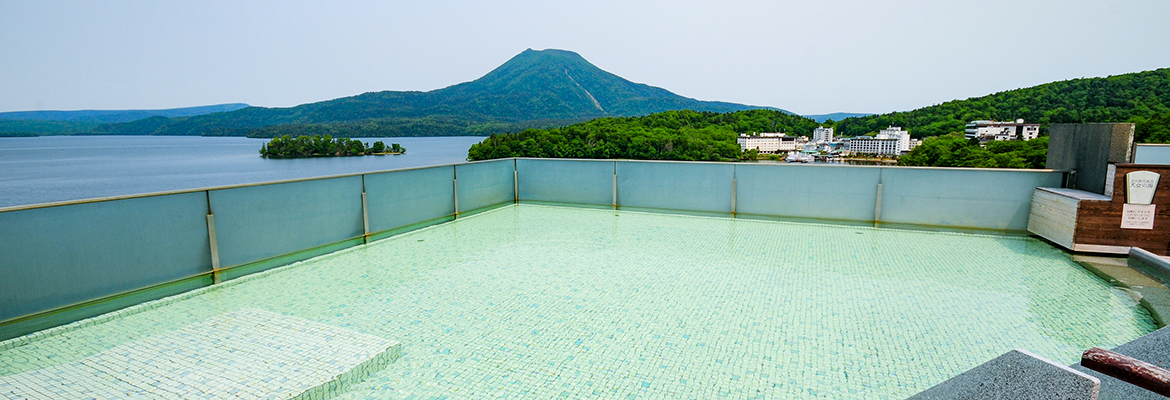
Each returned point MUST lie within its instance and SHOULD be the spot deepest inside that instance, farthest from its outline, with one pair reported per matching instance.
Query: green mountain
(533, 89)
(1142, 98)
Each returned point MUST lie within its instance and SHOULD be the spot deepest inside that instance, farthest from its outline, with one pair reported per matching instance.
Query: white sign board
(1137, 216)
(1140, 186)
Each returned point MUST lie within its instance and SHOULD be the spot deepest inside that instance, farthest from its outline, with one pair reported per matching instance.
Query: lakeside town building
(890, 141)
(987, 131)
(822, 135)
(768, 142)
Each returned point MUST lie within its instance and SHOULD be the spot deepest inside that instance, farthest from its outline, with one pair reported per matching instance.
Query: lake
(58, 168)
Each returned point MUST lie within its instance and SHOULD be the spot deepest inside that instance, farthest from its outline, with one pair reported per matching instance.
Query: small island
(324, 146)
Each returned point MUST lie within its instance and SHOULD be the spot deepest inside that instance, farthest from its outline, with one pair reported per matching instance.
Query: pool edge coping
(1158, 307)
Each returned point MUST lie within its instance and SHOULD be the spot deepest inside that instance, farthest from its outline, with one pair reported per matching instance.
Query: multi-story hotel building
(767, 142)
(890, 141)
(987, 131)
(822, 135)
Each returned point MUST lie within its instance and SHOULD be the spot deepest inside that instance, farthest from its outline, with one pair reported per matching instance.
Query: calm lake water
(57, 168)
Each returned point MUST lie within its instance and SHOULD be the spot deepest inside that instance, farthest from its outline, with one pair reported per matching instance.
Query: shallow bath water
(534, 301)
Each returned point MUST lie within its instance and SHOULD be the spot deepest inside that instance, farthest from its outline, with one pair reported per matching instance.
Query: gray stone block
(1017, 375)
(1153, 348)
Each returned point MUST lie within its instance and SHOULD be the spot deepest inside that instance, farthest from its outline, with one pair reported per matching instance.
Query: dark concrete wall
(1088, 149)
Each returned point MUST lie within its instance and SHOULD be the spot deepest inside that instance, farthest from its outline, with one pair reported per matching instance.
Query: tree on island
(323, 146)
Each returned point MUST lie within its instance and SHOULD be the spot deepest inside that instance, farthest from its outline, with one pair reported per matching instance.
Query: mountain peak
(566, 86)
(533, 87)
(550, 53)
(543, 58)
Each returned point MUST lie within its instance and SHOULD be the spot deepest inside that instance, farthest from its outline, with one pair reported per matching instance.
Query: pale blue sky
(808, 57)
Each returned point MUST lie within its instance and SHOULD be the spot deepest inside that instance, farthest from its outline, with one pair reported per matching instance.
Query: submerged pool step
(247, 354)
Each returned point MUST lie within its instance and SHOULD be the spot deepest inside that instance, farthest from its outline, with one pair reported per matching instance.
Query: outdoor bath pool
(532, 301)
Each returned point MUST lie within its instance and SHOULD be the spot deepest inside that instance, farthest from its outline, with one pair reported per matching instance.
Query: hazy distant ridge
(837, 116)
(113, 116)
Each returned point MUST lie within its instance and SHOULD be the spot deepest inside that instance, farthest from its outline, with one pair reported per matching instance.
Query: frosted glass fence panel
(58, 256)
(566, 181)
(807, 191)
(675, 186)
(1156, 154)
(257, 222)
(961, 197)
(401, 198)
(485, 184)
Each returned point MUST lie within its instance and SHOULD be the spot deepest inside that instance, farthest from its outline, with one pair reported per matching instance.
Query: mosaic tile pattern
(246, 354)
(548, 302)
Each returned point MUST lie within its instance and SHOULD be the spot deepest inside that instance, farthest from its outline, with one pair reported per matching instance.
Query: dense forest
(672, 135)
(323, 146)
(1152, 129)
(954, 150)
(1142, 98)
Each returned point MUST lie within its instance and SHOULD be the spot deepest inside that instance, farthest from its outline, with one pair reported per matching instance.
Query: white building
(890, 141)
(767, 142)
(895, 132)
(822, 135)
(987, 131)
(873, 145)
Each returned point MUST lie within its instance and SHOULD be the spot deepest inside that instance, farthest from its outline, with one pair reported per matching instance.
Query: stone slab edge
(1150, 263)
(1019, 375)
(1156, 300)
(1154, 265)
(342, 382)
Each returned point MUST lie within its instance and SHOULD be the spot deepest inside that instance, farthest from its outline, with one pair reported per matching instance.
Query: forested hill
(1142, 98)
(672, 135)
(533, 89)
(108, 116)
(33, 123)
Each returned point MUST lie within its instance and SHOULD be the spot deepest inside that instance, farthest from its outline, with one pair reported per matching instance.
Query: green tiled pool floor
(244, 354)
(550, 302)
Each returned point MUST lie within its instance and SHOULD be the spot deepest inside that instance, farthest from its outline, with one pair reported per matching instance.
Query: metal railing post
(734, 189)
(365, 214)
(211, 241)
(455, 189)
(615, 201)
(365, 219)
